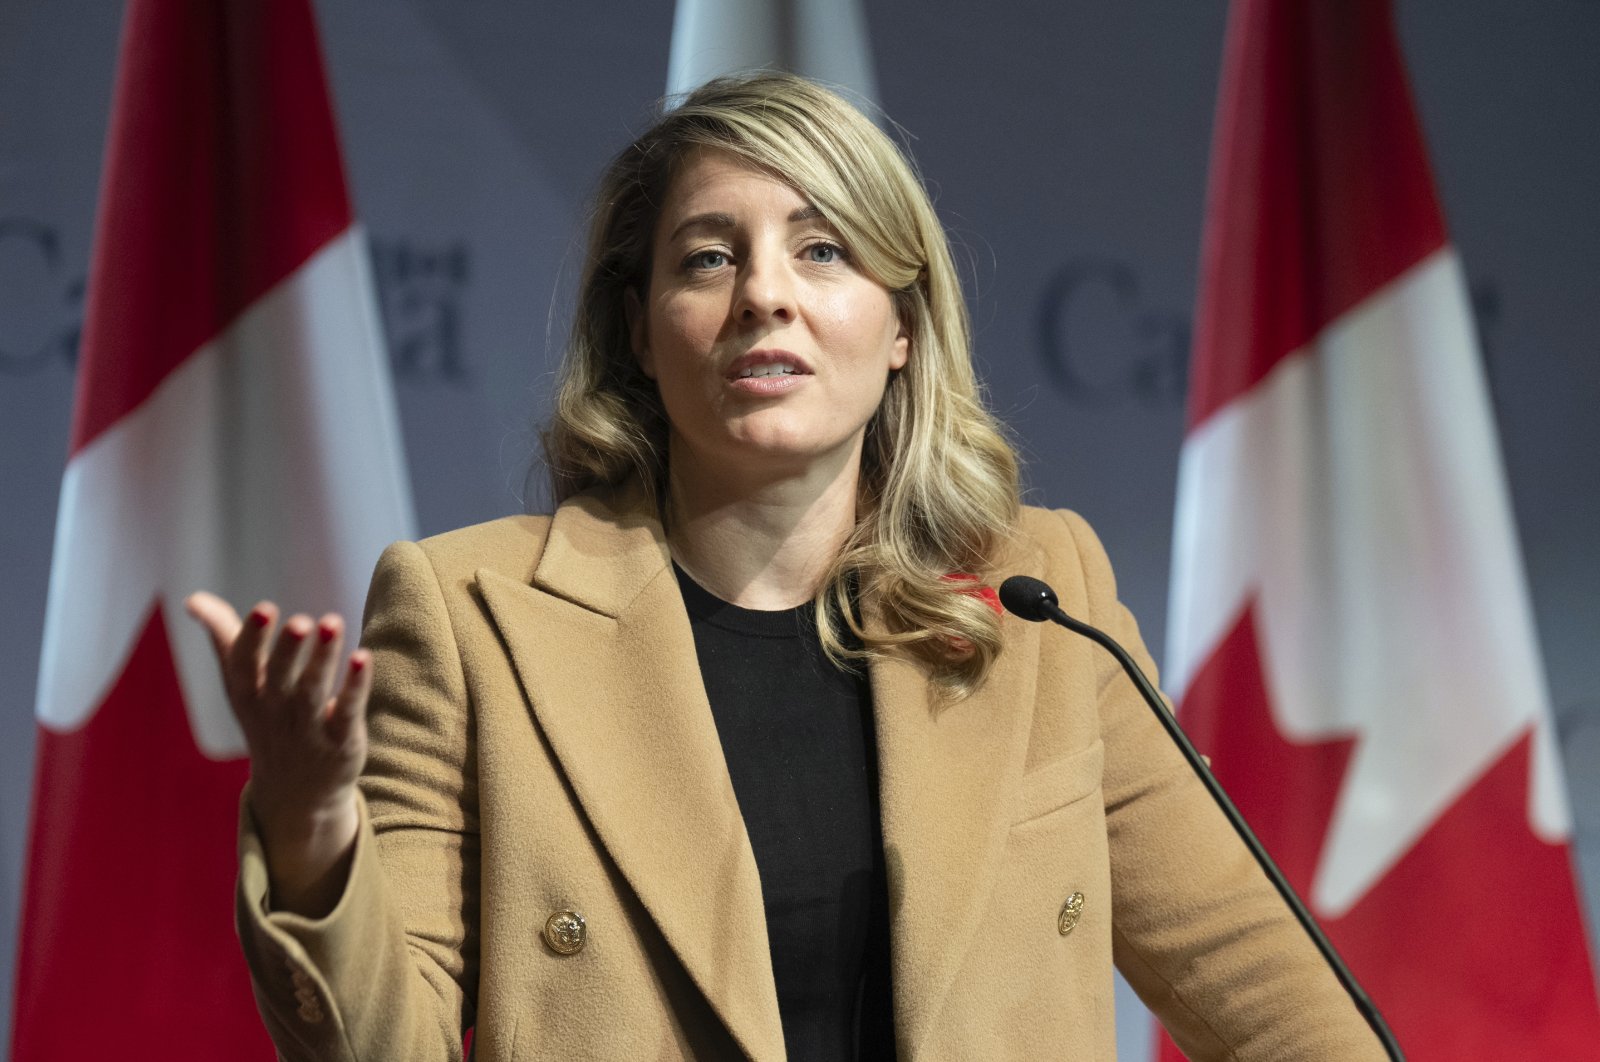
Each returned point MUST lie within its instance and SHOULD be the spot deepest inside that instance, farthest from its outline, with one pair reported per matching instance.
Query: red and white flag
(233, 431)
(1351, 639)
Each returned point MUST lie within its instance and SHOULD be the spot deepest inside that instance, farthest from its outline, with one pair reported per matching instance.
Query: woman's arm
(1197, 929)
(387, 971)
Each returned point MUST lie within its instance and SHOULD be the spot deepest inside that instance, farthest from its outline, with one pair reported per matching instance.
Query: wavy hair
(938, 485)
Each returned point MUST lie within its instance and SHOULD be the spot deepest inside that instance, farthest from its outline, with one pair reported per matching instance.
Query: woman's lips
(767, 372)
(767, 385)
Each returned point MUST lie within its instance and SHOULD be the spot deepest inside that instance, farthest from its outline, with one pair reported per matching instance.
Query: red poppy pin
(986, 594)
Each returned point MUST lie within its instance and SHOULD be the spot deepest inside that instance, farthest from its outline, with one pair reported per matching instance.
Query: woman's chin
(782, 455)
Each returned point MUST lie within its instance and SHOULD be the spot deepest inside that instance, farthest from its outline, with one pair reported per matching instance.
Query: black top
(798, 738)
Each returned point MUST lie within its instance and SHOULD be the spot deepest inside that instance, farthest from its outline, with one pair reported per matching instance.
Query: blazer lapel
(948, 774)
(602, 646)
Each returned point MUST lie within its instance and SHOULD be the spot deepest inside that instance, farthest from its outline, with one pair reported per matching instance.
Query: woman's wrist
(308, 851)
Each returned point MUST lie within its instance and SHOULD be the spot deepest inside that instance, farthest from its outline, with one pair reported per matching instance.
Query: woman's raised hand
(307, 735)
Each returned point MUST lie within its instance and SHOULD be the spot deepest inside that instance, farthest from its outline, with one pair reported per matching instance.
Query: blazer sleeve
(1197, 929)
(388, 974)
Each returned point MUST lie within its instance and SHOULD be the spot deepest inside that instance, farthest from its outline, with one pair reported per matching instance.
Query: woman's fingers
(284, 661)
(249, 653)
(316, 681)
(350, 707)
(276, 677)
(219, 619)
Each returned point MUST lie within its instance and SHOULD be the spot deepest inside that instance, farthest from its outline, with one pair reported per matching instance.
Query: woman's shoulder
(510, 545)
(492, 537)
(513, 546)
(1055, 530)
(1067, 549)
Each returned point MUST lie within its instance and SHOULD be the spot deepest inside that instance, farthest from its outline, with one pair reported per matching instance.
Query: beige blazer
(542, 747)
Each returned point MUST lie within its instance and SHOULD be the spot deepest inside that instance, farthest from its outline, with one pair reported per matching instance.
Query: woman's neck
(755, 539)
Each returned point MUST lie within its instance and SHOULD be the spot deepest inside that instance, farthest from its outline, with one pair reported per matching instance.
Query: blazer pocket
(1059, 783)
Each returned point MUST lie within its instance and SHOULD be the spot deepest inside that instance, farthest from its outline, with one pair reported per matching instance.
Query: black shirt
(797, 734)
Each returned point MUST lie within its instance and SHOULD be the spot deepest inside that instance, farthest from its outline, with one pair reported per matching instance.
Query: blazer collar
(603, 648)
(603, 551)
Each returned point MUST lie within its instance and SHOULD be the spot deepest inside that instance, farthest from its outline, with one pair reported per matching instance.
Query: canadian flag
(1351, 639)
(233, 431)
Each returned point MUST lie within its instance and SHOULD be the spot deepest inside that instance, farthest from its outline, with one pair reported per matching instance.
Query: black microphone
(1033, 600)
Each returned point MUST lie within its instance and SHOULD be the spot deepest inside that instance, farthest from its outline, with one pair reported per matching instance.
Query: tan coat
(541, 742)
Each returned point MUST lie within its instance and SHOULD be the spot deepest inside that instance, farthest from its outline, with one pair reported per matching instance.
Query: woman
(597, 816)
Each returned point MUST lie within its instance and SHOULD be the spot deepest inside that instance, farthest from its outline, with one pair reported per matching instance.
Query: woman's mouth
(769, 362)
(774, 369)
(767, 372)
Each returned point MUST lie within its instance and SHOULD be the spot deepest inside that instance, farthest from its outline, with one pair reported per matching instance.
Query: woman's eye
(706, 260)
(825, 252)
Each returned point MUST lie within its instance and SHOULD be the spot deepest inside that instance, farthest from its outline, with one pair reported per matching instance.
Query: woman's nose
(767, 289)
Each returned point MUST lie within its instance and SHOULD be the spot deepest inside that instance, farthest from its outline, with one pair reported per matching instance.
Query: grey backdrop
(1066, 146)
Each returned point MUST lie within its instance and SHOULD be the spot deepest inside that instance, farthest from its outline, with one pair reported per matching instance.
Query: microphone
(1033, 600)
(1030, 598)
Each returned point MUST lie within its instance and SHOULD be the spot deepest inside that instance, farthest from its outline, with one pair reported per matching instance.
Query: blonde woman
(733, 755)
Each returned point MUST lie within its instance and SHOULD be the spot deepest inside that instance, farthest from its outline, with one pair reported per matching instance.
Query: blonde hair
(938, 493)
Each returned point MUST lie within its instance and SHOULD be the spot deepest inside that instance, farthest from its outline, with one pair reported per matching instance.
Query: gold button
(566, 932)
(1071, 911)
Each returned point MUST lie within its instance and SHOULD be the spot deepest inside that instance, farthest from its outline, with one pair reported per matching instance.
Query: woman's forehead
(717, 189)
(708, 172)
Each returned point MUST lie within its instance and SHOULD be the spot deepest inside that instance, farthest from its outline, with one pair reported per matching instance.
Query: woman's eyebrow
(709, 220)
(716, 219)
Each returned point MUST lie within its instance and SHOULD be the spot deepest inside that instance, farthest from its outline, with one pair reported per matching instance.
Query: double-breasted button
(1071, 912)
(566, 932)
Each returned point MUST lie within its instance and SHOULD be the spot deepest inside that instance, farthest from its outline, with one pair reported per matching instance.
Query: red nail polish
(296, 633)
(259, 618)
(358, 664)
(326, 633)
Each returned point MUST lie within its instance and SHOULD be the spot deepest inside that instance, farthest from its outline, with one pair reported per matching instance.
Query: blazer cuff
(302, 968)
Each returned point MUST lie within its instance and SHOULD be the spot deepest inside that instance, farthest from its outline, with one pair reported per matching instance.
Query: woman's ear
(901, 352)
(638, 333)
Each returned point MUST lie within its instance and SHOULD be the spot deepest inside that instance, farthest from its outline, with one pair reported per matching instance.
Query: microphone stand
(1031, 599)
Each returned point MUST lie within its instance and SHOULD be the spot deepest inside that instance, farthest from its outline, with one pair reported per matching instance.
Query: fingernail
(358, 663)
(259, 617)
(326, 633)
(295, 632)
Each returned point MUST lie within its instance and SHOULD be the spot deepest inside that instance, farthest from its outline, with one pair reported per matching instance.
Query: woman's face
(770, 349)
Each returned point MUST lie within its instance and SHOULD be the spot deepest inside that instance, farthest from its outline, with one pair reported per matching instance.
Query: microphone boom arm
(1031, 599)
